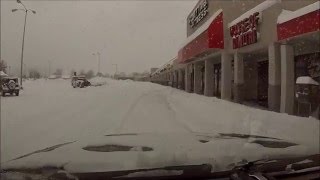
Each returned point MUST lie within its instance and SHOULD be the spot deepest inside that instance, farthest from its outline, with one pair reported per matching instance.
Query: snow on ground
(170, 121)
(98, 81)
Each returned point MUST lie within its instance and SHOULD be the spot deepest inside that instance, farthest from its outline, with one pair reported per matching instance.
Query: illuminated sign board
(198, 13)
(245, 32)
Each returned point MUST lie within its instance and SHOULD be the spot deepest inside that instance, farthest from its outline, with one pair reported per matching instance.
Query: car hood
(116, 152)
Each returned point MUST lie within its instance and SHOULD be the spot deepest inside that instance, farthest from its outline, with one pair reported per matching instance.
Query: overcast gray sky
(136, 35)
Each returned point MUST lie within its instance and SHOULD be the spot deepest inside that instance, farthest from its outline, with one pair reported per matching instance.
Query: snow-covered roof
(259, 8)
(306, 80)
(201, 29)
(287, 16)
(166, 65)
(3, 74)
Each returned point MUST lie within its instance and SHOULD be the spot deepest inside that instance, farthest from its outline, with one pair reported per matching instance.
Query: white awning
(287, 15)
(306, 80)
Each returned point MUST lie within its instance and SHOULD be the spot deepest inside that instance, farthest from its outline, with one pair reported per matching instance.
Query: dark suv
(9, 85)
(80, 82)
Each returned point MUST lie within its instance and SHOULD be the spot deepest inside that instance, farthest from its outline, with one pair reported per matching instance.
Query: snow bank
(3, 74)
(181, 128)
(306, 80)
(99, 81)
(284, 17)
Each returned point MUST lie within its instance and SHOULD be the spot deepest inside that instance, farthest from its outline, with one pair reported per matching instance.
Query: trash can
(307, 93)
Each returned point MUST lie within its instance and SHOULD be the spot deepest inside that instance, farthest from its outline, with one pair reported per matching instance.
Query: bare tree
(90, 74)
(107, 75)
(122, 74)
(82, 72)
(34, 74)
(145, 73)
(134, 74)
(3, 66)
(99, 74)
(58, 72)
(73, 72)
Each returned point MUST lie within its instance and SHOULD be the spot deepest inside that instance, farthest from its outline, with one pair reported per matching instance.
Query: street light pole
(49, 68)
(98, 54)
(25, 70)
(98, 63)
(24, 32)
(116, 65)
(9, 72)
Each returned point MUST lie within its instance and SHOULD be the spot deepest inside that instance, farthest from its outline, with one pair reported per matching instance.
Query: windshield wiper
(170, 172)
(268, 169)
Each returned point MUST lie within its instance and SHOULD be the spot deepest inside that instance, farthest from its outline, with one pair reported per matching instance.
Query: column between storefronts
(287, 79)
(226, 76)
(274, 89)
(238, 86)
(209, 80)
(188, 78)
(197, 78)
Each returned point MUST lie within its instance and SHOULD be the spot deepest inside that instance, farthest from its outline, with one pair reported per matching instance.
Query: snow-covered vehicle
(9, 85)
(182, 156)
(80, 82)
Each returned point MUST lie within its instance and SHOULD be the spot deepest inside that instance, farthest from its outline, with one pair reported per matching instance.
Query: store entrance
(176, 80)
(217, 80)
(308, 65)
(192, 79)
(182, 80)
(202, 70)
(263, 81)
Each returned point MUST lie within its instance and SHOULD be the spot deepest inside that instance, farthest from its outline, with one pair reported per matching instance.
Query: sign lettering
(245, 32)
(198, 13)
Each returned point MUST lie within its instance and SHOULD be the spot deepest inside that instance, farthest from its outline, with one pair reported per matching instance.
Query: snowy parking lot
(51, 112)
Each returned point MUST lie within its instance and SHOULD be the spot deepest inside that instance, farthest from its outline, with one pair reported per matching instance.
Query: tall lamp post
(116, 65)
(24, 32)
(9, 70)
(98, 54)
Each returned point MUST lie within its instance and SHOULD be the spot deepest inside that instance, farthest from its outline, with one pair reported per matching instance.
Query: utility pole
(25, 70)
(116, 72)
(98, 54)
(98, 63)
(9, 70)
(49, 68)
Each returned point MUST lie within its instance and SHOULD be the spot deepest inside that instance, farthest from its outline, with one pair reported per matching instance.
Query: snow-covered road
(50, 112)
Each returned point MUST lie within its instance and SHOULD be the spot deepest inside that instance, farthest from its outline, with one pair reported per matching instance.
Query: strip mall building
(247, 51)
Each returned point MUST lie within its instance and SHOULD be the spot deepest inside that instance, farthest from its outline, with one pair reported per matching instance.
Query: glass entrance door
(217, 80)
(263, 83)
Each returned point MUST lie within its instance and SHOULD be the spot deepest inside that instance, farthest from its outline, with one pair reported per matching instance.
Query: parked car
(9, 85)
(80, 82)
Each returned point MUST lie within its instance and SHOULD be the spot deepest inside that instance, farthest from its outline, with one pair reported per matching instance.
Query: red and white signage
(299, 22)
(245, 32)
(208, 37)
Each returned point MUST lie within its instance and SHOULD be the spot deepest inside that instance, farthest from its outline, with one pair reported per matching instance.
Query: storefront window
(308, 65)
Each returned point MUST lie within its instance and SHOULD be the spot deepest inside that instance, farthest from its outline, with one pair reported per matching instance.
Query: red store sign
(245, 32)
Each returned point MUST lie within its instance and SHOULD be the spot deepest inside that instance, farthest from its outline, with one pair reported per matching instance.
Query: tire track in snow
(171, 107)
(129, 112)
(159, 105)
